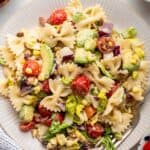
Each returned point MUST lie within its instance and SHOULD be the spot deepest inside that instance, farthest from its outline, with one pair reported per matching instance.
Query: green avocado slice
(47, 62)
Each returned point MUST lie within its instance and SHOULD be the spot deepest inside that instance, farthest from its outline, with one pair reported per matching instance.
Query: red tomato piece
(57, 17)
(60, 117)
(43, 120)
(95, 131)
(113, 89)
(81, 85)
(45, 87)
(146, 146)
(44, 112)
(25, 127)
(31, 68)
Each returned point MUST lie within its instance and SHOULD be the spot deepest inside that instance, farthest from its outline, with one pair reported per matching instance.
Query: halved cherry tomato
(43, 111)
(113, 89)
(95, 131)
(90, 111)
(81, 85)
(105, 44)
(57, 17)
(146, 146)
(45, 87)
(31, 68)
(25, 127)
(59, 117)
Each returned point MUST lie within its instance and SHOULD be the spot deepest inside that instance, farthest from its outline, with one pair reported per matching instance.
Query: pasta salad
(75, 80)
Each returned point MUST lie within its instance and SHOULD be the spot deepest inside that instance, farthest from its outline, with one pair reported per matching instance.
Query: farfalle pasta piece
(52, 103)
(92, 71)
(121, 121)
(14, 96)
(58, 88)
(106, 83)
(92, 15)
(39, 131)
(115, 100)
(4, 87)
(64, 34)
(47, 34)
(73, 7)
(69, 70)
(118, 120)
(19, 66)
(137, 93)
(7, 56)
(15, 44)
(113, 64)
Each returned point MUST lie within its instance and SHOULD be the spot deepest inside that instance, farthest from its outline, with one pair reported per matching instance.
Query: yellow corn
(36, 53)
(102, 94)
(139, 52)
(135, 58)
(134, 75)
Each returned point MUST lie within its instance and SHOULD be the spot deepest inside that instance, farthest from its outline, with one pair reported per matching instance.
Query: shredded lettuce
(55, 128)
(79, 108)
(71, 105)
(102, 101)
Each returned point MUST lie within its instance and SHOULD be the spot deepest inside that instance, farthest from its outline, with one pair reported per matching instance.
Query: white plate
(119, 13)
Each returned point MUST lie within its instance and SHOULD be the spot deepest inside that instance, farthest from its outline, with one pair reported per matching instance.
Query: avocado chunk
(90, 45)
(48, 62)
(131, 67)
(85, 35)
(83, 57)
(26, 113)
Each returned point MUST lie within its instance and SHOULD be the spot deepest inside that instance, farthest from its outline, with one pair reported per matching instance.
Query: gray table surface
(141, 7)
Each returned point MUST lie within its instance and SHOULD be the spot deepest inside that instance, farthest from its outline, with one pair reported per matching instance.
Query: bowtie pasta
(74, 80)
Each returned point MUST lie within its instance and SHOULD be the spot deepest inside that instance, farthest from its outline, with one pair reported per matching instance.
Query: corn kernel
(102, 94)
(37, 89)
(28, 70)
(135, 58)
(139, 52)
(36, 53)
(134, 75)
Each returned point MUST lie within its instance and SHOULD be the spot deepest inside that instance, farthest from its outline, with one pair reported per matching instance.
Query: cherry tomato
(31, 68)
(95, 131)
(59, 117)
(57, 17)
(45, 87)
(113, 89)
(44, 112)
(90, 111)
(105, 44)
(43, 120)
(146, 146)
(25, 127)
(81, 85)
